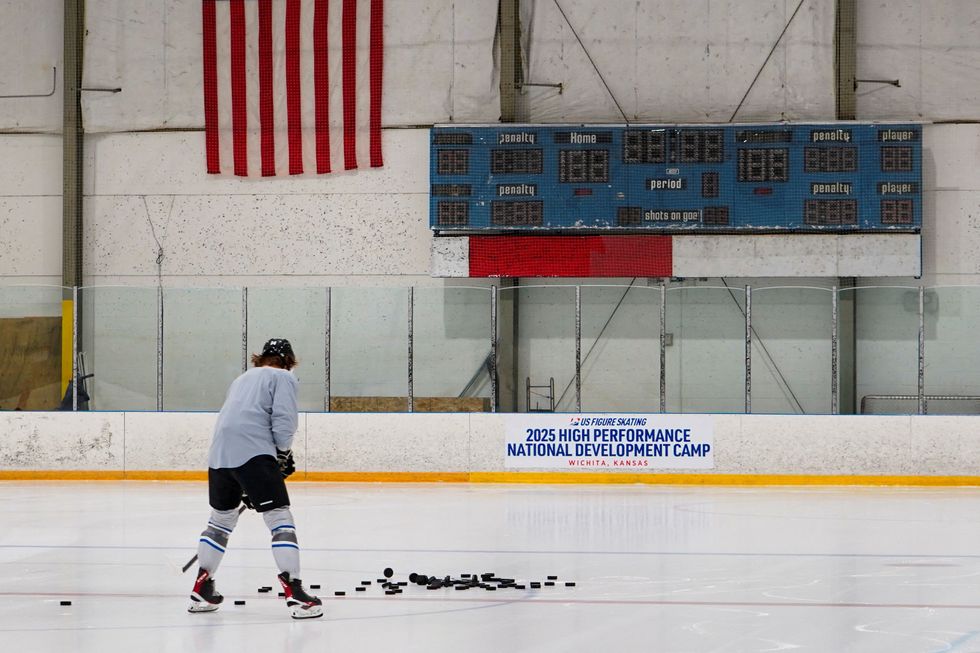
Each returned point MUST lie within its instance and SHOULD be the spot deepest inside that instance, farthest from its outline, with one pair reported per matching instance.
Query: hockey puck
(314, 587)
(549, 583)
(360, 589)
(388, 573)
(282, 595)
(66, 603)
(552, 577)
(381, 580)
(569, 584)
(535, 586)
(391, 592)
(365, 582)
(339, 593)
(263, 590)
(239, 602)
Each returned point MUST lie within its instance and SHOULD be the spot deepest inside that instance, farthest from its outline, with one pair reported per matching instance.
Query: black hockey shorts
(259, 478)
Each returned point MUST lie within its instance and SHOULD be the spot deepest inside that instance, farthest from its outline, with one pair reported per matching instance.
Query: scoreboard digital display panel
(840, 177)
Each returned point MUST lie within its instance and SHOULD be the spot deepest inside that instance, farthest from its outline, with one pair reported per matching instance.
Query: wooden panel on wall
(400, 404)
(30, 376)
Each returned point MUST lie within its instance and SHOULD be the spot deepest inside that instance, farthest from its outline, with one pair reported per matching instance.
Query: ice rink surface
(660, 569)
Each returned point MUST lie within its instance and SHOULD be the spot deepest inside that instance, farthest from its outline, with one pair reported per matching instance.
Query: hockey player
(249, 459)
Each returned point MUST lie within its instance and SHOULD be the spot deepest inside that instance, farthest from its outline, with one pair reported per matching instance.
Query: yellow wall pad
(556, 478)
(67, 324)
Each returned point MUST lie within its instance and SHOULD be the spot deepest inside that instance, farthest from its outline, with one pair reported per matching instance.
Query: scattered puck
(263, 590)
(391, 592)
(402, 583)
(549, 583)
(66, 603)
(340, 593)
(360, 589)
(466, 575)
(388, 573)
(535, 586)
(462, 587)
(282, 595)
(520, 587)
(569, 584)
(239, 602)
(365, 582)
(314, 587)
(382, 580)
(552, 577)
(490, 588)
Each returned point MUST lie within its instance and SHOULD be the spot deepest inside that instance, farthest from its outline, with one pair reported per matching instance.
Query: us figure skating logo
(575, 421)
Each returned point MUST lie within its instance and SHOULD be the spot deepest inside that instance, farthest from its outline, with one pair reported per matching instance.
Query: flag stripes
(292, 86)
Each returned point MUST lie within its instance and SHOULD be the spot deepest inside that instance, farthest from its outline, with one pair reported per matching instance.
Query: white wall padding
(90, 441)
(930, 47)
(31, 43)
(475, 442)
(438, 63)
(680, 61)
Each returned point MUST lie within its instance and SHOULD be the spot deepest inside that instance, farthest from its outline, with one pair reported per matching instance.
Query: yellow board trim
(555, 478)
(67, 323)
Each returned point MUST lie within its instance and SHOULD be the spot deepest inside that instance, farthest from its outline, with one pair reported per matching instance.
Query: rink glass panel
(952, 354)
(298, 315)
(545, 343)
(886, 346)
(791, 350)
(621, 347)
(202, 346)
(119, 346)
(369, 348)
(451, 342)
(706, 362)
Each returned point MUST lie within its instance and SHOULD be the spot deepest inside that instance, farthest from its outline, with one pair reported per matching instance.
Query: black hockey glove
(286, 463)
(247, 501)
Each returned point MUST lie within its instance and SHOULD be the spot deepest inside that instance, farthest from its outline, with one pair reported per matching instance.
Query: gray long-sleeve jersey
(258, 416)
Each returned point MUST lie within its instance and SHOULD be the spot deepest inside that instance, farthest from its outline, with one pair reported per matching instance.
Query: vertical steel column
(578, 349)
(411, 346)
(493, 349)
(326, 355)
(845, 58)
(922, 351)
(73, 141)
(159, 348)
(72, 171)
(509, 26)
(834, 354)
(748, 349)
(663, 347)
(244, 329)
(74, 348)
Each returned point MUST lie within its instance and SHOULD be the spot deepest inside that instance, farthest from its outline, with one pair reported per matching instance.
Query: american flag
(292, 86)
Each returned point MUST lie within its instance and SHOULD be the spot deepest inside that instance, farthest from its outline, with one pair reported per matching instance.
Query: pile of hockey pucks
(488, 581)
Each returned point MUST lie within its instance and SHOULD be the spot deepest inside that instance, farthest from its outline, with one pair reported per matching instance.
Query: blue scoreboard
(785, 178)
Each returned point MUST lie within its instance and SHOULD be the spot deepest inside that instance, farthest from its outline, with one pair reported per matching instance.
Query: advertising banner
(608, 441)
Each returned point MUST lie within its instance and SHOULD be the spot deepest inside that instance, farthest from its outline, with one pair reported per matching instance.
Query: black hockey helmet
(278, 347)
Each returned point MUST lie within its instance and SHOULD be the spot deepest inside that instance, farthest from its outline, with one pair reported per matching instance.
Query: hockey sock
(214, 539)
(285, 548)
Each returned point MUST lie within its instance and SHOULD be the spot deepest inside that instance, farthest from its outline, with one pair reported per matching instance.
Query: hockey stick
(194, 559)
